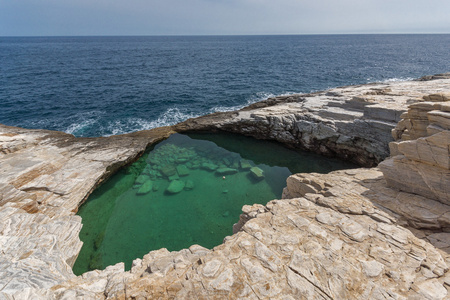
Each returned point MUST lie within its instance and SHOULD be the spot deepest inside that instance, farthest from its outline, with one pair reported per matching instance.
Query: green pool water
(188, 189)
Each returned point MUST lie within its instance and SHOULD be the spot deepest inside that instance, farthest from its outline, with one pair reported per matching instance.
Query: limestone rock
(245, 164)
(417, 178)
(356, 125)
(44, 177)
(342, 235)
(182, 170)
(257, 173)
(189, 185)
(145, 188)
(142, 179)
(175, 187)
(226, 171)
(169, 170)
(420, 162)
(209, 166)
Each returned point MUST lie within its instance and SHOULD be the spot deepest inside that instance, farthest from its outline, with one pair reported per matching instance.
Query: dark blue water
(92, 86)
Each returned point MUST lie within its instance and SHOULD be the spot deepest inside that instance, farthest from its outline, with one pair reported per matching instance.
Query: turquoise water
(188, 189)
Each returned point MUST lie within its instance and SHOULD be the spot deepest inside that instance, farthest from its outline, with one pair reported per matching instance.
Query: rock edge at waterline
(336, 236)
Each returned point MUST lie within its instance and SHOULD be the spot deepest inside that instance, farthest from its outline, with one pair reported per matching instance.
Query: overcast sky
(205, 17)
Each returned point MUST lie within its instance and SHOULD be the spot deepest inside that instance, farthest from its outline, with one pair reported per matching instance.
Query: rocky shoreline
(363, 233)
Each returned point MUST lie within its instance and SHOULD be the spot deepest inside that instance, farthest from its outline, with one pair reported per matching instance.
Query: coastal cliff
(365, 233)
(353, 123)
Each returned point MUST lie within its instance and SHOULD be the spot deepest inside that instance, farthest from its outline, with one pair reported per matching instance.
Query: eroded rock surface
(343, 235)
(352, 123)
(420, 161)
(44, 177)
(331, 243)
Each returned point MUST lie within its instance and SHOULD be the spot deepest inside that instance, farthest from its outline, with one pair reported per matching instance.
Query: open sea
(100, 86)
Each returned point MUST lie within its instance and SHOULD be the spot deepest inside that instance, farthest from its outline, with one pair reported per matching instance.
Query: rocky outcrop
(325, 240)
(420, 161)
(353, 123)
(343, 235)
(434, 77)
(44, 178)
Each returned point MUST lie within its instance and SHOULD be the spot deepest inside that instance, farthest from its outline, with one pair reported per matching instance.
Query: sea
(109, 85)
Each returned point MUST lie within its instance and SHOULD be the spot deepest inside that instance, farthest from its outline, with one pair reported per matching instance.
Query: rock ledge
(349, 234)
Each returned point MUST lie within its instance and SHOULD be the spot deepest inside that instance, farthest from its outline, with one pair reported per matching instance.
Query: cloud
(153, 17)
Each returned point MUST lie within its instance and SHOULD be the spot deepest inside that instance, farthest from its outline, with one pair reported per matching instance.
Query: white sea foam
(82, 121)
(77, 127)
(169, 117)
(256, 98)
(397, 79)
(173, 116)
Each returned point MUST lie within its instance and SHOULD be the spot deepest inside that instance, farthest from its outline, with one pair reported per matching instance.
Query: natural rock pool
(188, 189)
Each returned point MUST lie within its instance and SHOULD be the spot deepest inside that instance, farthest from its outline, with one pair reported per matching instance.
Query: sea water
(188, 189)
(98, 86)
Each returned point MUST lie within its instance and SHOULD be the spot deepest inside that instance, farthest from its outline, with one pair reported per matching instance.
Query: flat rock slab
(141, 179)
(182, 170)
(257, 173)
(145, 188)
(351, 122)
(175, 187)
(44, 177)
(341, 235)
(209, 167)
(189, 185)
(226, 171)
(245, 164)
(169, 170)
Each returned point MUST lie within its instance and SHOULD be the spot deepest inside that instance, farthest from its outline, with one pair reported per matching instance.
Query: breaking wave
(96, 123)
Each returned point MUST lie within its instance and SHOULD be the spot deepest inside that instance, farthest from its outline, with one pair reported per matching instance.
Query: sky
(221, 17)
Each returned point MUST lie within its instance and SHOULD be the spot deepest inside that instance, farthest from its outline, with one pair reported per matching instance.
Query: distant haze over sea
(97, 86)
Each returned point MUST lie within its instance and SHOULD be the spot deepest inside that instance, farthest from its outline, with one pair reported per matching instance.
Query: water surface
(188, 189)
(96, 86)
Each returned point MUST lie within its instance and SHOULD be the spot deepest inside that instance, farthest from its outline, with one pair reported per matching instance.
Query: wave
(78, 127)
(389, 80)
(397, 79)
(171, 116)
(253, 99)
(81, 123)
(94, 123)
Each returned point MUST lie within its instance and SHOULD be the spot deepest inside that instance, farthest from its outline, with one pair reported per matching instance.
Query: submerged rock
(245, 164)
(189, 185)
(147, 170)
(209, 166)
(226, 161)
(175, 187)
(257, 173)
(174, 177)
(145, 188)
(168, 170)
(226, 171)
(182, 160)
(182, 170)
(141, 179)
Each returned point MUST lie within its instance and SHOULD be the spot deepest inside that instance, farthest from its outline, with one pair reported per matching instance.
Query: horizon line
(217, 35)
